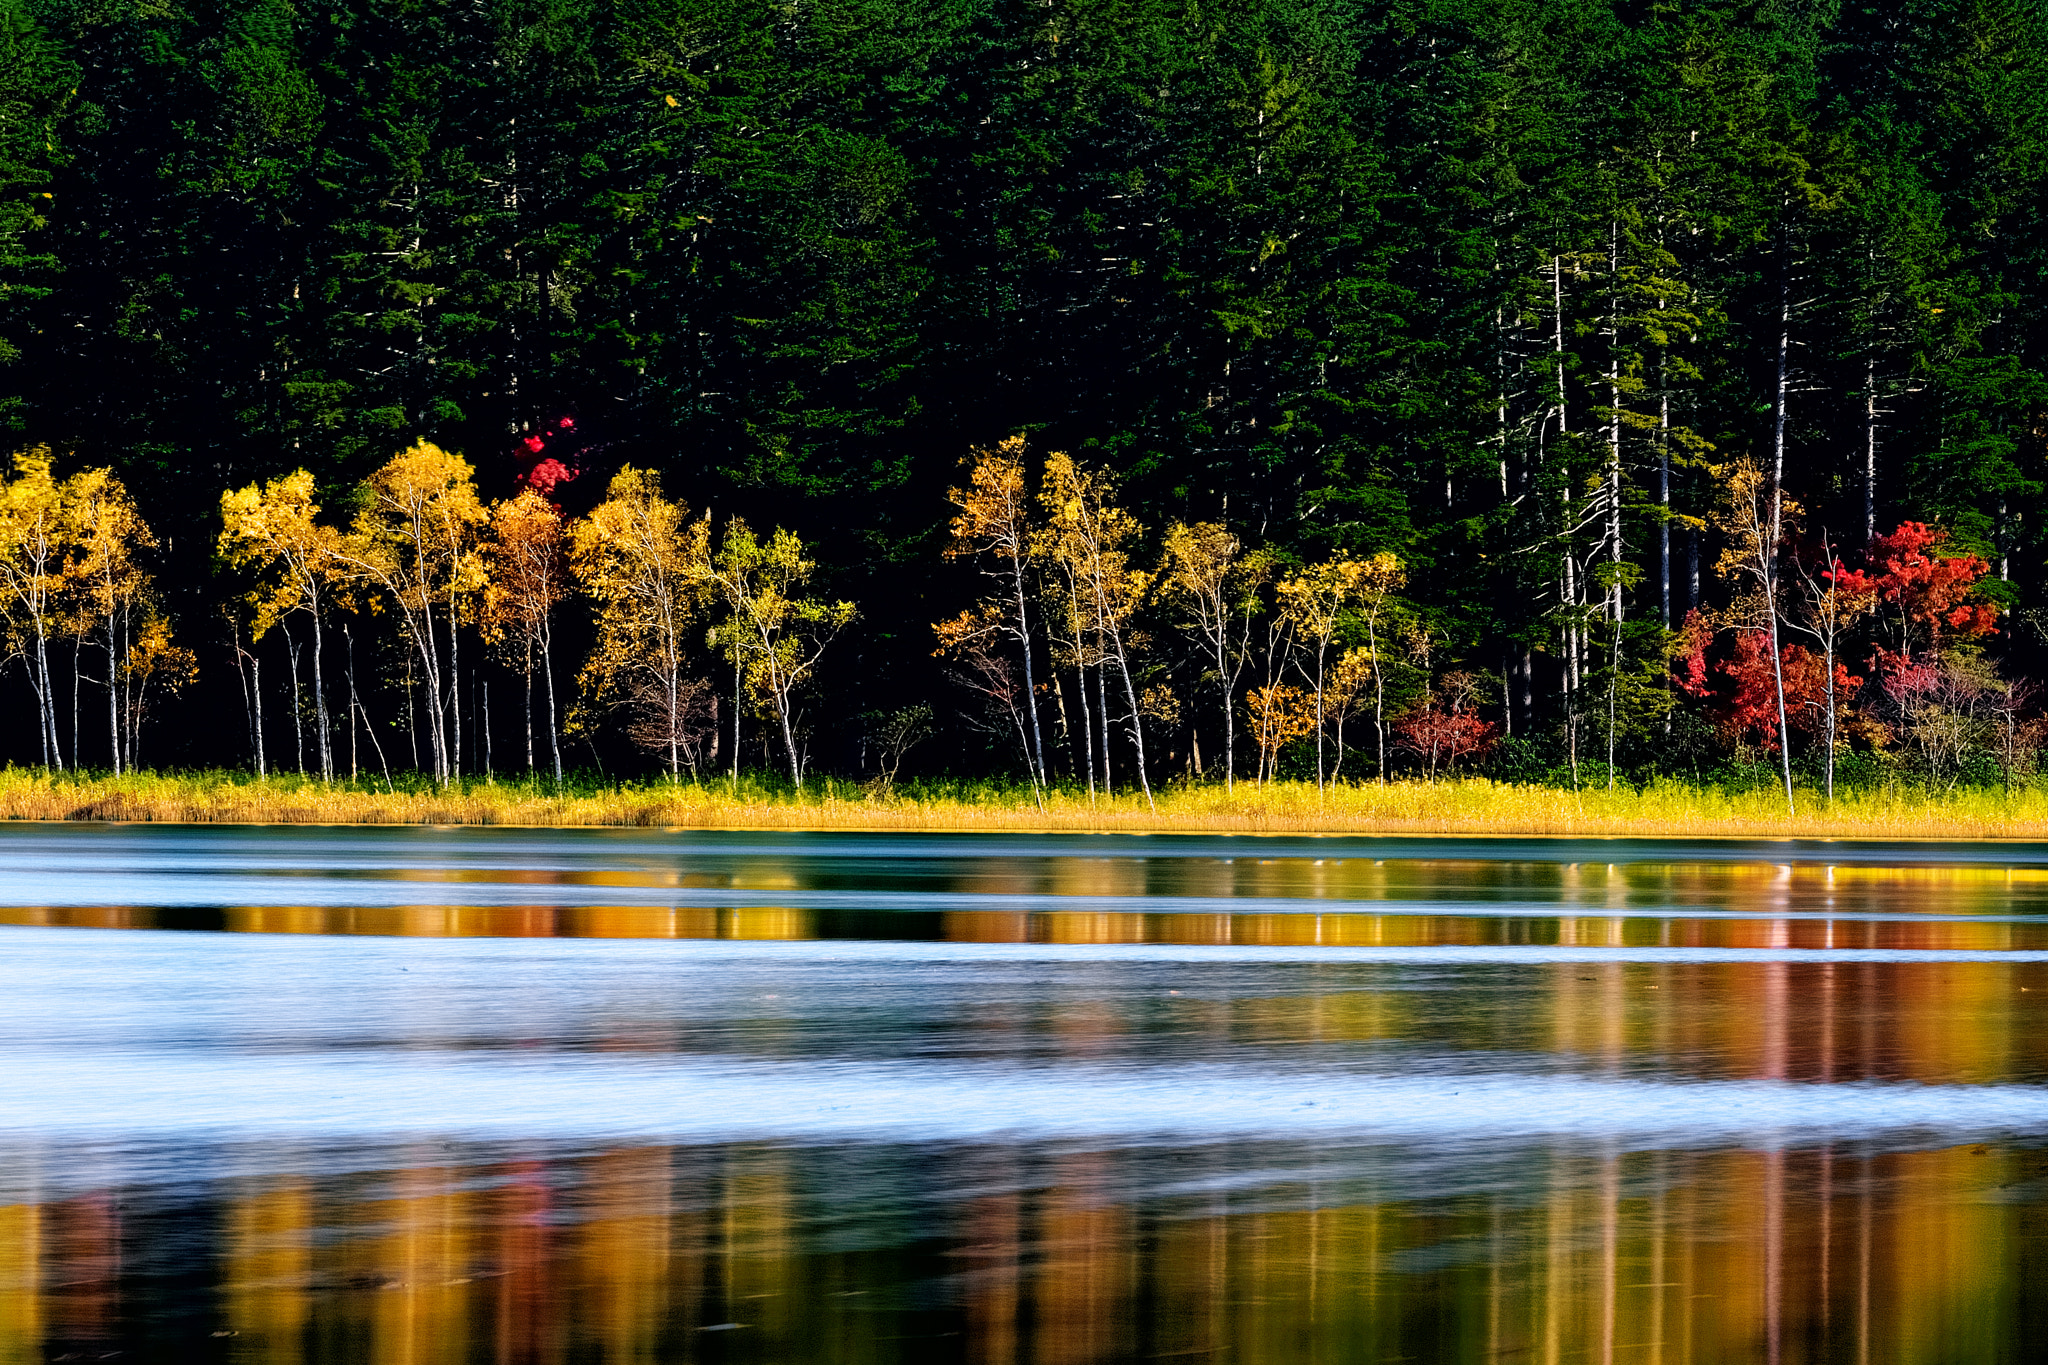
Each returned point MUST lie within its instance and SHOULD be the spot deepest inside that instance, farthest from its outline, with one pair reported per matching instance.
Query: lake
(312, 1095)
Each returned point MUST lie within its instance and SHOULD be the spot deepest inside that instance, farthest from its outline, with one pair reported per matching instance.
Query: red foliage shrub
(1440, 738)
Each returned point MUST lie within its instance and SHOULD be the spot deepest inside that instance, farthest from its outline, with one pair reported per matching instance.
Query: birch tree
(529, 579)
(994, 524)
(1753, 520)
(415, 539)
(1208, 571)
(775, 636)
(1090, 536)
(648, 568)
(1315, 600)
(32, 547)
(105, 529)
(275, 528)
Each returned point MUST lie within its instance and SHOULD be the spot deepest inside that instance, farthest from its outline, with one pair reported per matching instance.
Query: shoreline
(1465, 807)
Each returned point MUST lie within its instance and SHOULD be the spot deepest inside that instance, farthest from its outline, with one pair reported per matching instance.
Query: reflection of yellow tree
(275, 528)
(648, 566)
(415, 538)
(774, 637)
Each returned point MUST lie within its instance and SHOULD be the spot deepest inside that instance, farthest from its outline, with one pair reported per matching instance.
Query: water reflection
(760, 1252)
(517, 1096)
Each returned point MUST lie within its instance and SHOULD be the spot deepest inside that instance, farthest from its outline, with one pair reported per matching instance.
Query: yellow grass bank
(1461, 807)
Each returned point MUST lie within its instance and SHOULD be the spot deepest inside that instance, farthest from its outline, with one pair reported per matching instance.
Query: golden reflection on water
(1746, 905)
(644, 1254)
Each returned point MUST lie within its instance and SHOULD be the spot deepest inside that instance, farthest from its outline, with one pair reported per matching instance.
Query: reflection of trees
(1064, 1258)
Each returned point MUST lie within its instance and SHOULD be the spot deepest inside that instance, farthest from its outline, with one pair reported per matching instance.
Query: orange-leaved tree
(994, 525)
(529, 578)
(1089, 537)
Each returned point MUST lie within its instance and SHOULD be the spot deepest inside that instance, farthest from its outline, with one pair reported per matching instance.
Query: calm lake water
(537, 1096)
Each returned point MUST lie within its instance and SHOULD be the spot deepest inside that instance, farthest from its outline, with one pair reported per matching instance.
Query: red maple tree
(1930, 592)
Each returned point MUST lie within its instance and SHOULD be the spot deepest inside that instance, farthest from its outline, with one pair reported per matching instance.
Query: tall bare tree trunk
(114, 690)
(320, 699)
(291, 654)
(1869, 449)
(1030, 686)
(1768, 554)
(554, 730)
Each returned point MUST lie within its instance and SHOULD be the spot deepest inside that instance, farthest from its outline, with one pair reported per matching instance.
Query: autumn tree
(105, 531)
(275, 529)
(415, 538)
(1314, 601)
(994, 525)
(33, 540)
(1208, 572)
(152, 664)
(1383, 576)
(1832, 599)
(774, 636)
(974, 643)
(1447, 726)
(1279, 713)
(1754, 517)
(1090, 537)
(529, 579)
(648, 568)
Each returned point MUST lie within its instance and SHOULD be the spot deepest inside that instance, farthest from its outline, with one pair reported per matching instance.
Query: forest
(1066, 393)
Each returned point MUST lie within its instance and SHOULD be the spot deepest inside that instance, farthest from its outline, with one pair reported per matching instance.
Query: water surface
(589, 1095)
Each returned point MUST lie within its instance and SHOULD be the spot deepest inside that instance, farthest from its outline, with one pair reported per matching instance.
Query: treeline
(1472, 314)
(423, 566)
(1086, 660)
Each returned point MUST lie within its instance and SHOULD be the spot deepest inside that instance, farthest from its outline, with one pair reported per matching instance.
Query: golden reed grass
(1465, 806)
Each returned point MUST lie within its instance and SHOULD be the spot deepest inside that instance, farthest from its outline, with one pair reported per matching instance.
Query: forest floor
(1470, 806)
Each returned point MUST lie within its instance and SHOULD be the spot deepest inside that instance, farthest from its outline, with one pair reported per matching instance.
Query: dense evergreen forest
(1096, 386)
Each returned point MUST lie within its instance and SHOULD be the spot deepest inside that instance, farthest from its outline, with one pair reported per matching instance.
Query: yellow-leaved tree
(32, 542)
(994, 525)
(1313, 602)
(529, 578)
(274, 528)
(415, 538)
(648, 567)
(1208, 572)
(105, 529)
(774, 637)
(1088, 537)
